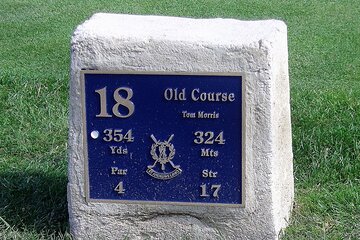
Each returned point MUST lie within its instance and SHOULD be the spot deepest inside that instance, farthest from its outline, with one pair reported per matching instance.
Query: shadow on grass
(34, 200)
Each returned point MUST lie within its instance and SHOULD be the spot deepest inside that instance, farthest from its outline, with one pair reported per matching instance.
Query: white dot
(95, 134)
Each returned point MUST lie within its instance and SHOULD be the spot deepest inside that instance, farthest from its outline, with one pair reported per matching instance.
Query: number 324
(209, 137)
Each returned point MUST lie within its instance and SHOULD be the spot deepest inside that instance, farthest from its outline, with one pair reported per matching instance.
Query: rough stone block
(258, 49)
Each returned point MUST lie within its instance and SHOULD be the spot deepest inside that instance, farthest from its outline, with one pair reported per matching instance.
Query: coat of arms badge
(163, 153)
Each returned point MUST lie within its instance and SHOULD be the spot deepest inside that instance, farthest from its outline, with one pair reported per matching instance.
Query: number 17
(215, 187)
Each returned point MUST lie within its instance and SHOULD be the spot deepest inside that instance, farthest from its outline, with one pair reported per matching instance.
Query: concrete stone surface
(113, 42)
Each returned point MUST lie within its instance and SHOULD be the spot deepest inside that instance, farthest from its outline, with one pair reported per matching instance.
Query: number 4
(120, 188)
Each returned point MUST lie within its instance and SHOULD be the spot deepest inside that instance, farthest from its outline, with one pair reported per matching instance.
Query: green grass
(324, 50)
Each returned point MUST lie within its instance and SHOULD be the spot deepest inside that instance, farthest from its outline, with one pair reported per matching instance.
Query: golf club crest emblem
(163, 154)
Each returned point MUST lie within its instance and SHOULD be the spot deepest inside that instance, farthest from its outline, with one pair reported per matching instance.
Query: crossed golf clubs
(162, 153)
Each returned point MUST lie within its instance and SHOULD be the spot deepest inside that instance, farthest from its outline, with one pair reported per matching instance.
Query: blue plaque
(163, 137)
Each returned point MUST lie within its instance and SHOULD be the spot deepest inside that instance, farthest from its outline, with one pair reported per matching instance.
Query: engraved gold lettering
(203, 97)
(174, 94)
(128, 136)
(220, 138)
(199, 137)
(117, 171)
(186, 114)
(103, 105)
(108, 135)
(194, 93)
(214, 187)
(118, 150)
(208, 152)
(121, 101)
(208, 137)
(168, 94)
(209, 174)
(197, 95)
(120, 188)
(203, 191)
(231, 97)
(202, 114)
(117, 135)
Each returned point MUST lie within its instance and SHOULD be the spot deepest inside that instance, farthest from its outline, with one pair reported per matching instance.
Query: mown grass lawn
(324, 58)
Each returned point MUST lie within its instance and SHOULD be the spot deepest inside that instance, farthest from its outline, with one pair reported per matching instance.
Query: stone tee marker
(179, 129)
